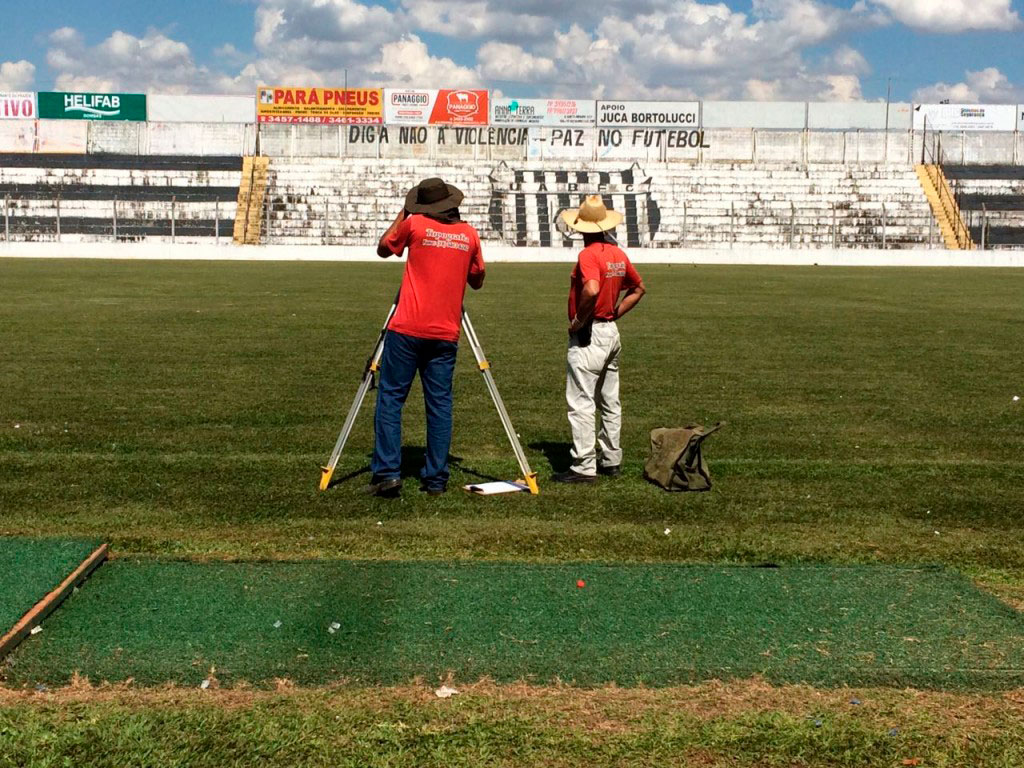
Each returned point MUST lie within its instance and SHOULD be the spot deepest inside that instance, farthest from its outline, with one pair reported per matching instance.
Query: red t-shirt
(611, 267)
(441, 259)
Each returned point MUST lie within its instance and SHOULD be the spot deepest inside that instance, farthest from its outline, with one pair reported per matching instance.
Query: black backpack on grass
(676, 462)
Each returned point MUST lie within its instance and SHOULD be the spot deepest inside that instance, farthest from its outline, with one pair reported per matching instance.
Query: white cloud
(848, 60)
(481, 19)
(506, 62)
(408, 63)
(952, 15)
(324, 34)
(153, 62)
(688, 49)
(16, 75)
(987, 86)
(658, 49)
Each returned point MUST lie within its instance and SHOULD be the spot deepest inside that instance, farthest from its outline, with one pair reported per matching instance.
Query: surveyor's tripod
(373, 365)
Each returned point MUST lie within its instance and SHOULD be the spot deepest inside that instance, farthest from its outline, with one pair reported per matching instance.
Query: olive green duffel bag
(676, 462)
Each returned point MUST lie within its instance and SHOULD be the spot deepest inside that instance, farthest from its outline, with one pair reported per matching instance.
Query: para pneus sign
(320, 105)
(17, 105)
(60, 105)
(651, 114)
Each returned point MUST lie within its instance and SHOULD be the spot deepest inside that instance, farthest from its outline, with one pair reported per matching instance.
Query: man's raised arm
(383, 249)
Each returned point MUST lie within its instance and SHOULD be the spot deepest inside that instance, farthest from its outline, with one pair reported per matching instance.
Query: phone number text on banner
(648, 114)
(551, 112)
(355, 106)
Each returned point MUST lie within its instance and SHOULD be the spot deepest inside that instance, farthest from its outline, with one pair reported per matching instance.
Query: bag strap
(714, 429)
(695, 440)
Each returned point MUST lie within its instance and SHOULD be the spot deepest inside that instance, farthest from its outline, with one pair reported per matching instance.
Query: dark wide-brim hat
(432, 196)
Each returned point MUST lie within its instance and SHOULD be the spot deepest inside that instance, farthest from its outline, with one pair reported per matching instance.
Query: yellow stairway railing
(251, 191)
(944, 206)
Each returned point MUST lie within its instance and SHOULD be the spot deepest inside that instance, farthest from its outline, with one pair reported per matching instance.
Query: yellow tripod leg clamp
(326, 473)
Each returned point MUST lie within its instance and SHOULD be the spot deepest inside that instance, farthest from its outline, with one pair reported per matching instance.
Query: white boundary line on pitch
(831, 257)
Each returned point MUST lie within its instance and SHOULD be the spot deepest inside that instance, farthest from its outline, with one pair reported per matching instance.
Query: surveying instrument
(529, 478)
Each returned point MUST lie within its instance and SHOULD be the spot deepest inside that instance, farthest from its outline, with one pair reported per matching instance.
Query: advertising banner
(1020, 117)
(435, 107)
(17, 105)
(59, 105)
(650, 114)
(201, 109)
(965, 117)
(333, 106)
(544, 112)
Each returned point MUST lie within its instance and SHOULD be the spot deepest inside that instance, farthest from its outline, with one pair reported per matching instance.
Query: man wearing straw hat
(604, 287)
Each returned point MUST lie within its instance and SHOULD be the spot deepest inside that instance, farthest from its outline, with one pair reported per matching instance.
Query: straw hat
(432, 196)
(592, 216)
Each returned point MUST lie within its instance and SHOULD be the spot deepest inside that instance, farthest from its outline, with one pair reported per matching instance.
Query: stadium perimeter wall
(823, 257)
(738, 145)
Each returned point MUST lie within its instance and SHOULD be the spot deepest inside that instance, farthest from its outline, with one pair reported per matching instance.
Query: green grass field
(182, 410)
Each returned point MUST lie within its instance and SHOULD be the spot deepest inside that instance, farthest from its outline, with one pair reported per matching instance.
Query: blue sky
(964, 50)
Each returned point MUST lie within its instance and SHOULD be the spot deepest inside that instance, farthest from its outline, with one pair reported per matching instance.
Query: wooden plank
(48, 604)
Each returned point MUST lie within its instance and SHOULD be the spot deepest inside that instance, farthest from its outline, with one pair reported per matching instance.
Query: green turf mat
(653, 625)
(31, 568)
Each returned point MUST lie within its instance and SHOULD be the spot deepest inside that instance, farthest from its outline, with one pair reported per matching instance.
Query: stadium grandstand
(258, 170)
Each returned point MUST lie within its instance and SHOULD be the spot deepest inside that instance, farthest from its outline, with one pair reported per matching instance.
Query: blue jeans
(435, 361)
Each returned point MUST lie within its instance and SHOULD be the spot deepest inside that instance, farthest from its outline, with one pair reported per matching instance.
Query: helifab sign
(546, 112)
(435, 107)
(650, 114)
(60, 105)
(17, 105)
(965, 117)
(332, 106)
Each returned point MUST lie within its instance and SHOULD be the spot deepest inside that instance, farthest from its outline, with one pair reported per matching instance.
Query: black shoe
(573, 477)
(614, 471)
(434, 490)
(389, 487)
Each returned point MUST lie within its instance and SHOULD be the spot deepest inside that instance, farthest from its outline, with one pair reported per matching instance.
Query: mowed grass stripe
(316, 623)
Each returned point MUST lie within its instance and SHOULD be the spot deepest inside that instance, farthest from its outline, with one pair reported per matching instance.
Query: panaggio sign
(435, 107)
(352, 106)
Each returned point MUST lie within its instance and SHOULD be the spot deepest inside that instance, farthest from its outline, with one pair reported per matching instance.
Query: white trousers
(592, 386)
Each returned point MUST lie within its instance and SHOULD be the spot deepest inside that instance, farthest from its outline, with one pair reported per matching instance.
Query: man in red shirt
(423, 335)
(601, 275)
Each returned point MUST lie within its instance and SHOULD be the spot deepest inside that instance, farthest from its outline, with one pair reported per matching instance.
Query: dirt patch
(610, 709)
